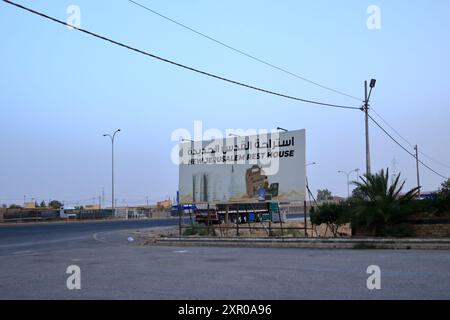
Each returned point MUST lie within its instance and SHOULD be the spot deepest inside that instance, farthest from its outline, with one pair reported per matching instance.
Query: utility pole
(366, 111)
(416, 148)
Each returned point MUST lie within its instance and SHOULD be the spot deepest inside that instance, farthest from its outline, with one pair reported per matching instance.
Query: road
(34, 259)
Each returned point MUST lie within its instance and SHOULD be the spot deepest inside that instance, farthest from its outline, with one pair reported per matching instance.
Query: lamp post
(348, 179)
(112, 137)
(282, 129)
(365, 108)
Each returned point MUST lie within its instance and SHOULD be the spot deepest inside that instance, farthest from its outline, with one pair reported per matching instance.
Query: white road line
(181, 251)
(27, 244)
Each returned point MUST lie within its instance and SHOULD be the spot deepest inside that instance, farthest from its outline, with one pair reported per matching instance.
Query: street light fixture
(282, 129)
(186, 140)
(348, 179)
(112, 137)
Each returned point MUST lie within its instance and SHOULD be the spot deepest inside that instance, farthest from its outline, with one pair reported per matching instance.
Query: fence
(268, 228)
(14, 215)
(28, 215)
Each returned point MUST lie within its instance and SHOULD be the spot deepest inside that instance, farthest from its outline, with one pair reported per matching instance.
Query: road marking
(27, 244)
(23, 252)
(181, 251)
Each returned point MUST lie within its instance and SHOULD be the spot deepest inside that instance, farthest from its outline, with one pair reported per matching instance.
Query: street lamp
(365, 108)
(348, 179)
(282, 129)
(112, 137)
(186, 140)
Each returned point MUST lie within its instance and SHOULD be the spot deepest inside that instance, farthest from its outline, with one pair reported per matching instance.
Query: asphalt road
(16, 238)
(34, 259)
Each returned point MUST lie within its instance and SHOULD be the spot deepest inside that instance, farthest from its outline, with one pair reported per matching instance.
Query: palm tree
(378, 203)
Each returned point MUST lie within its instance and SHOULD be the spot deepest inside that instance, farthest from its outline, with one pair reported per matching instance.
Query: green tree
(445, 187)
(379, 204)
(439, 205)
(55, 204)
(324, 195)
(357, 193)
(43, 205)
(15, 206)
(334, 215)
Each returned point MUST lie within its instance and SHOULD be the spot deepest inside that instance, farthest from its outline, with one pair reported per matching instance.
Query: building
(165, 204)
(30, 205)
(92, 207)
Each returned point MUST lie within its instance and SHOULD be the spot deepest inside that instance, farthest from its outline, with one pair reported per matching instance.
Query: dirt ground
(256, 230)
(290, 229)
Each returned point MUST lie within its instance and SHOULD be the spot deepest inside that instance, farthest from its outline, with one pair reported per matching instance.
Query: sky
(61, 90)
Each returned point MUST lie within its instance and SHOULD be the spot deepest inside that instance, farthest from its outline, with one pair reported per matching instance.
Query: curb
(366, 243)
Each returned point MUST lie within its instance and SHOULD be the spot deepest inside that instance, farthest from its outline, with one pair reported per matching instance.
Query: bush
(288, 233)
(439, 205)
(199, 230)
(334, 215)
(379, 204)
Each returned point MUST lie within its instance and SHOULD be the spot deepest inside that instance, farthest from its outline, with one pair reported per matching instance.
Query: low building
(92, 207)
(29, 205)
(165, 204)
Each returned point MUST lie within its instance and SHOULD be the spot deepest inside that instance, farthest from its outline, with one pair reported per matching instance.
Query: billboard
(263, 167)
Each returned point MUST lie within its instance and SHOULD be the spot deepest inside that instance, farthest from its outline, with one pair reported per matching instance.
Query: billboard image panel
(248, 169)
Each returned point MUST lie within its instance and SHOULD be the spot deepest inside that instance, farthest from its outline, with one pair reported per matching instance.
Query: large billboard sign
(263, 167)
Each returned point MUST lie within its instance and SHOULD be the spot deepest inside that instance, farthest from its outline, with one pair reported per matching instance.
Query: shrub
(334, 215)
(201, 231)
(378, 204)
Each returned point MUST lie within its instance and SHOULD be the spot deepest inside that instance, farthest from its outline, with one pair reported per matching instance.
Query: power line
(392, 128)
(275, 67)
(240, 51)
(391, 137)
(406, 150)
(408, 142)
(211, 75)
(434, 160)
